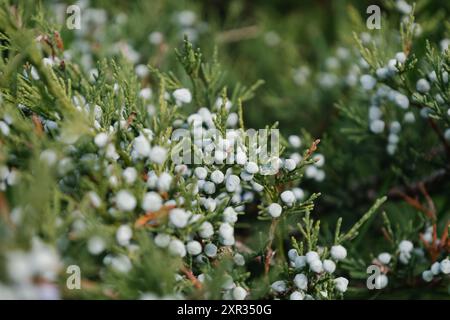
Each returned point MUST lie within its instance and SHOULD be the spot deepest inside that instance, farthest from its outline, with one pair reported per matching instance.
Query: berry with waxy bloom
(141, 146)
(129, 175)
(338, 252)
(290, 164)
(405, 246)
(292, 254)
(239, 293)
(341, 284)
(274, 210)
(217, 176)
(381, 281)
(182, 95)
(423, 86)
(297, 295)
(384, 258)
(194, 248)
(201, 173)
(295, 141)
(316, 266)
(179, 217)
(151, 201)
(101, 139)
(427, 276)
(211, 250)
(279, 286)
(162, 240)
(206, 230)
(232, 183)
(445, 266)
(300, 262)
(301, 281)
(125, 200)
(158, 154)
(329, 266)
(251, 167)
(288, 197)
(177, 248)
(312, 256)
(124, 234)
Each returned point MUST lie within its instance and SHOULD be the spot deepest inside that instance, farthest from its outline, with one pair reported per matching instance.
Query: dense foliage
(97, 125)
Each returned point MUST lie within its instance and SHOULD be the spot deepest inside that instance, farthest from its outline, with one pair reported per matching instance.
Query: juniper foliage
(86, 136)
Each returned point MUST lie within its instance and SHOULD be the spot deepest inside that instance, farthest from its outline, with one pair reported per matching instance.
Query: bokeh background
(306, 54)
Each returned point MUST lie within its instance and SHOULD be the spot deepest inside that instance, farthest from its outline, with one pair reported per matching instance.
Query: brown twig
(38, 128)
(414, 187)
(153, 216)
(413, 202)
(47, 40)
(312, 148)
(4, 210)
(59, 41)
(269, 251)
(440, 136)
(269, 255)
(191, 277)
(445, 241)
(236, 35)
(386, 234)
(430, 202)
(434, 247)
(131, 119)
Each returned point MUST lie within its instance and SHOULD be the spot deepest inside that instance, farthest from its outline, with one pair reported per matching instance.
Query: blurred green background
(305, 51)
